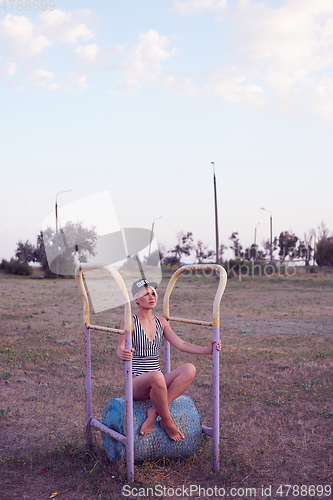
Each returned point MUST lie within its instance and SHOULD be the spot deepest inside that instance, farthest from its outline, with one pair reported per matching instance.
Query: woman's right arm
(122, 353)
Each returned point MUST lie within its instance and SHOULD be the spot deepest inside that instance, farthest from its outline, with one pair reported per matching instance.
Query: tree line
(287, 246)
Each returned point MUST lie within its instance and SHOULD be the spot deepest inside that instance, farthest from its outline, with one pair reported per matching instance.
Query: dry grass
(276, 388)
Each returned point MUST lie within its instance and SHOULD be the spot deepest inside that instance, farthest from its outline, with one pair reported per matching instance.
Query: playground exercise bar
(128, 440)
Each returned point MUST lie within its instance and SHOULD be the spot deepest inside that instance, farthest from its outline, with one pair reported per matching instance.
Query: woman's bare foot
(148, 424)
(172, 431)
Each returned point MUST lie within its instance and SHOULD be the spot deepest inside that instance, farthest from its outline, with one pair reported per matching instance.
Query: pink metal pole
(216, 401)
(214, 431)
(129, 411)
(167, 364)
(87, 384)
(90, 421)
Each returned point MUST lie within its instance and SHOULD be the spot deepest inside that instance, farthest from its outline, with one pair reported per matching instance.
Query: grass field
(276, 404)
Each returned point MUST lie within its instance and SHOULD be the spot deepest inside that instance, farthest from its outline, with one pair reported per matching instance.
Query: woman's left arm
(177, 342)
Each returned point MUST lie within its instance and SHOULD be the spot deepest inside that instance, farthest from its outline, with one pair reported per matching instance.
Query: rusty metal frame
(214, 431)
(128, 440)
(90, 421)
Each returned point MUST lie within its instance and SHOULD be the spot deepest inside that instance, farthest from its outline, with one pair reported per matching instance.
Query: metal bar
(198, 267)
(105, 329)
(220, 271)
(191, 321)
(79, 282)
(110, 432)
(216, 402)
(87, 384)
(129, 410)
(207, 430)
(129, 439)
(167, 362)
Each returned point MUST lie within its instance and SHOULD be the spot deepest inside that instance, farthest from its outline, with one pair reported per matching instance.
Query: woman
(148, 379)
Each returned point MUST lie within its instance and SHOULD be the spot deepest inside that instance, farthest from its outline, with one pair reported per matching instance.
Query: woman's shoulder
(162, 320)
(122, 326)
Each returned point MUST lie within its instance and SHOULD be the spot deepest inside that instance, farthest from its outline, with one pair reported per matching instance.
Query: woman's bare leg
(162, 392)
(152, 384)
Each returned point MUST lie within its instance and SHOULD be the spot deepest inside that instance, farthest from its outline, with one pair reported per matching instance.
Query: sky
(139, 97)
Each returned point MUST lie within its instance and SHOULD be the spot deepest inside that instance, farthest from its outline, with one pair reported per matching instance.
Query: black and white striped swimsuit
(146, 353)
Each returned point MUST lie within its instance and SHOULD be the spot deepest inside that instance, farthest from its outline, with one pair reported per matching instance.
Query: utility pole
(56, 221)
(216, 216)
(271, 232)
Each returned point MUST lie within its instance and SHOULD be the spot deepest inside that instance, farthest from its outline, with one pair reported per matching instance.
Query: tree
(221, 252)
(304, 249)
(171, 260)
(40, 254)
(202, 252)
(25, 252)
(324, 251)
(236, 246)
(323, 231)
(267, 246)
(15, 266)
(62, 260)
(154, 258)
(251, 253)
(184, 245)
(287, 245)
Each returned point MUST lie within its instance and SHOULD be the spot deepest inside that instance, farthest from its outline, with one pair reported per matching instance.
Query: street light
(216, 216)
(56, 218)
(255, 234)
(151, 234)
(271, 233)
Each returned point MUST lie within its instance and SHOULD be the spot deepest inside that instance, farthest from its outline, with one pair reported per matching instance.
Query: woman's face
(147, 298)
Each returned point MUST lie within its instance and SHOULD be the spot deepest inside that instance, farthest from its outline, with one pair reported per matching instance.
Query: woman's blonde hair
(140, 294)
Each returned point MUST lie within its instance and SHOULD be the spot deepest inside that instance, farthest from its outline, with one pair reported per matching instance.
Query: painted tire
(157, 444)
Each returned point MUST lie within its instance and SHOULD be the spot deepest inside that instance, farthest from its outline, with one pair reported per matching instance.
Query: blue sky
(138, 97)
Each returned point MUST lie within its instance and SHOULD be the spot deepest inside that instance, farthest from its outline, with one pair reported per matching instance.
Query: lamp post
(271, 232)
(151, 234)
(56, 219)
(255, 234)
(314, 247)
(216, 216)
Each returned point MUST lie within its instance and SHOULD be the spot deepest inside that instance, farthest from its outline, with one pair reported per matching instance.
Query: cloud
(23, 38)
(143, 64)
(126, 87)
(289, 48)
(77, 81)
(42, 77)
(195, 7)
(276, 55)
(283, 54)
(87, 53)
(180, 86)
(93, 57)
(238, 91)
(146, 57)
(25, 43)
(7, 70)
(323, 98)
(68, 27)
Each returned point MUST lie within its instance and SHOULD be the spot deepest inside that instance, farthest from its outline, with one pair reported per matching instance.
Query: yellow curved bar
(218, 296)
(120, 282)
(81, 287)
